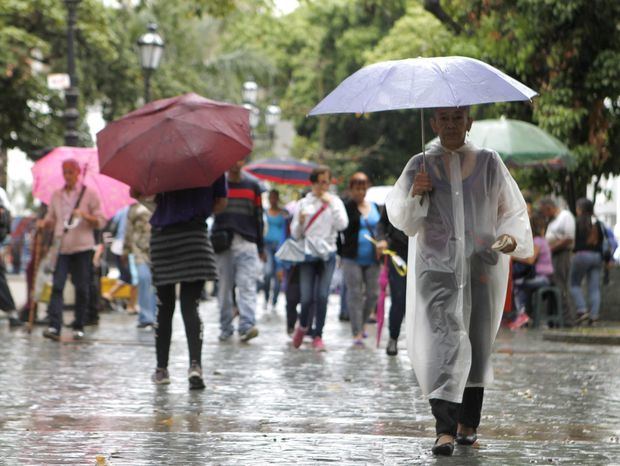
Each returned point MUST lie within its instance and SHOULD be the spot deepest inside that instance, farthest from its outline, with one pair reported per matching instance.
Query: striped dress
(182, 253)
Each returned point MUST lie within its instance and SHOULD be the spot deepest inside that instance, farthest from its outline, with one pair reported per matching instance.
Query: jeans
(79, 266)
(146, 295)
(586, 264)
(362, 292)
(238, 267)
(317, 273)
(447, 414)
(190, 298)
(271, 267)
(524, 289)
(398, 295)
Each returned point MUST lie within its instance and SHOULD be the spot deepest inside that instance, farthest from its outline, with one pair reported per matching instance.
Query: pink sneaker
(298, 336)
(318, 345)
(520, 321)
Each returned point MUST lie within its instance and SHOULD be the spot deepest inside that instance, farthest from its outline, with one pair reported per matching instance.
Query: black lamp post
(151, 49)
(72, 113)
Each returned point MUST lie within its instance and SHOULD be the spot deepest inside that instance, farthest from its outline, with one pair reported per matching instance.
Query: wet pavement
(92, 402)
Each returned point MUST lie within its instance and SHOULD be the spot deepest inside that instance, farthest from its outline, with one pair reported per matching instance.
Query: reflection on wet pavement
(266, 403)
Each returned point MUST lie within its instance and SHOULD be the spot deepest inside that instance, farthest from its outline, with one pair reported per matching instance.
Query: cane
(36, 259)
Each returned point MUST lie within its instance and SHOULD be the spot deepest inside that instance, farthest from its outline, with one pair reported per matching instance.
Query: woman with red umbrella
(182, 253)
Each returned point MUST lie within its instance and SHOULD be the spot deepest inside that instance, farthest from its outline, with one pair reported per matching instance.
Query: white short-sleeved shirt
(562, 227)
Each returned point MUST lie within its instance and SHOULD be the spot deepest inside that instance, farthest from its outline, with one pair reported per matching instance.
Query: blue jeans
(317, 273)
(524, 289)
(237, 266)
(79, 266)
(271, 267)
(586, 264)
(146, 295)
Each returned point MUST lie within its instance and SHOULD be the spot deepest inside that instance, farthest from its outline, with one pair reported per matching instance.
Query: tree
(570, 52)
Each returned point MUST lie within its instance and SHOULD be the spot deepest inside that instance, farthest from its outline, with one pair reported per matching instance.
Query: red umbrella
(47, 178)
(182, 142)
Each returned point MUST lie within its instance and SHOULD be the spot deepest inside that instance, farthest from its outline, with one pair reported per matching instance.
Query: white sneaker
(78, 334)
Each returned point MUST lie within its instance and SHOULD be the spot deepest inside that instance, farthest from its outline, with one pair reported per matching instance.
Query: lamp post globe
(151, 47)
(254, 114)
(250, 92)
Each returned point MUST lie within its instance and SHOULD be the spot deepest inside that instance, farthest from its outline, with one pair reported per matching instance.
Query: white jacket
(326, 226)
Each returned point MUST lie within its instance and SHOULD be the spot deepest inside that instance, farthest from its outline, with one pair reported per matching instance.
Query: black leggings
(166, 300)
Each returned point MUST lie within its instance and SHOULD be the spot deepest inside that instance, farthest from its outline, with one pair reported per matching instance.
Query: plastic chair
(547, 300)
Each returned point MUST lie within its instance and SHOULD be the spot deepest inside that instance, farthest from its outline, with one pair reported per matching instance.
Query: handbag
(296, 251)
(221, 240)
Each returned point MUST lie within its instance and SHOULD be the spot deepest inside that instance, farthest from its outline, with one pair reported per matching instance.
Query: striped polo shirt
(244, 212)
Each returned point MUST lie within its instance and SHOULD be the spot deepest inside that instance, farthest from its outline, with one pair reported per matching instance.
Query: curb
(570, 337)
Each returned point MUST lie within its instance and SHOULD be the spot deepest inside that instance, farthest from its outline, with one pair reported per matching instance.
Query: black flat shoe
(445, 449)
(463, 439)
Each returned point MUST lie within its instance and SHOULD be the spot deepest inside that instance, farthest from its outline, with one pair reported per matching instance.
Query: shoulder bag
(296, 251)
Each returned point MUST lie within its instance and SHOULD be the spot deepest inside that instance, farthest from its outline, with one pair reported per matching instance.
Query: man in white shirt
(561, 238)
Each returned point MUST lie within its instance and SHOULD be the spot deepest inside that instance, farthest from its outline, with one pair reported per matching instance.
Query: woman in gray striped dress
(181, 252)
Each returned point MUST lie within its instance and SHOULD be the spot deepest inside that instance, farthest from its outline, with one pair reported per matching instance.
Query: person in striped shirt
(237, 237)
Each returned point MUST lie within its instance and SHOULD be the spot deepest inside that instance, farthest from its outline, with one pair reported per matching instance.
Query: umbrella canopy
(182, 142)
(520, 144)
(282, 170)
(422, 83)
(47, 178)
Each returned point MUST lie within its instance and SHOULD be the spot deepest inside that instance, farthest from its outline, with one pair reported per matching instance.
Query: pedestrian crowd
(477, 228)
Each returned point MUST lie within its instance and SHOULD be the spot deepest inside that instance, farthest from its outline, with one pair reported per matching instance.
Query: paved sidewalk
(266, 403)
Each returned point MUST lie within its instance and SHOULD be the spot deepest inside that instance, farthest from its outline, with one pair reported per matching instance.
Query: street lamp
(272, 113)
(151, 49)
(72, 114)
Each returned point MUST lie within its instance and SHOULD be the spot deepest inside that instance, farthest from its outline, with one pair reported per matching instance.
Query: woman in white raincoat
(464, 212)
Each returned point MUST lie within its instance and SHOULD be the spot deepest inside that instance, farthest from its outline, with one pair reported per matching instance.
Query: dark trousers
(398, 295)
(6, 298)
(79, 266)
(448, 414)
(166, 300)
(94, 299)
(293, 296)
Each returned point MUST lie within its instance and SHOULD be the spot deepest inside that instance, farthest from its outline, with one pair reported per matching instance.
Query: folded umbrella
(282, 170)
(47, 177)
(177, 143)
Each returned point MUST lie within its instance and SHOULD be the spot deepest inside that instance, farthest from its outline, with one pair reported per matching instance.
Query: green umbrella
(520, 144)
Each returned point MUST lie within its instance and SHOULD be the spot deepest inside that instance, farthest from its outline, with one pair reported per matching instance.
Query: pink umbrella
(383, 283)
(47, 178)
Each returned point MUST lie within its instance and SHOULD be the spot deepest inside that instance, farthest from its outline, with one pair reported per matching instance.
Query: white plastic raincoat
(457, 285)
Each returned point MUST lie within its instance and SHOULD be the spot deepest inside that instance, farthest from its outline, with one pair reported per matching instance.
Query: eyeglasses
(322, 182)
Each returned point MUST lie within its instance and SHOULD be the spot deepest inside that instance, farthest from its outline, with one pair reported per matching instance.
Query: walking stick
(33, 299)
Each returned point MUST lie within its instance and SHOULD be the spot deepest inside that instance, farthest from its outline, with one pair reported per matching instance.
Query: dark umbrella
(182, 142)
(282, 170)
